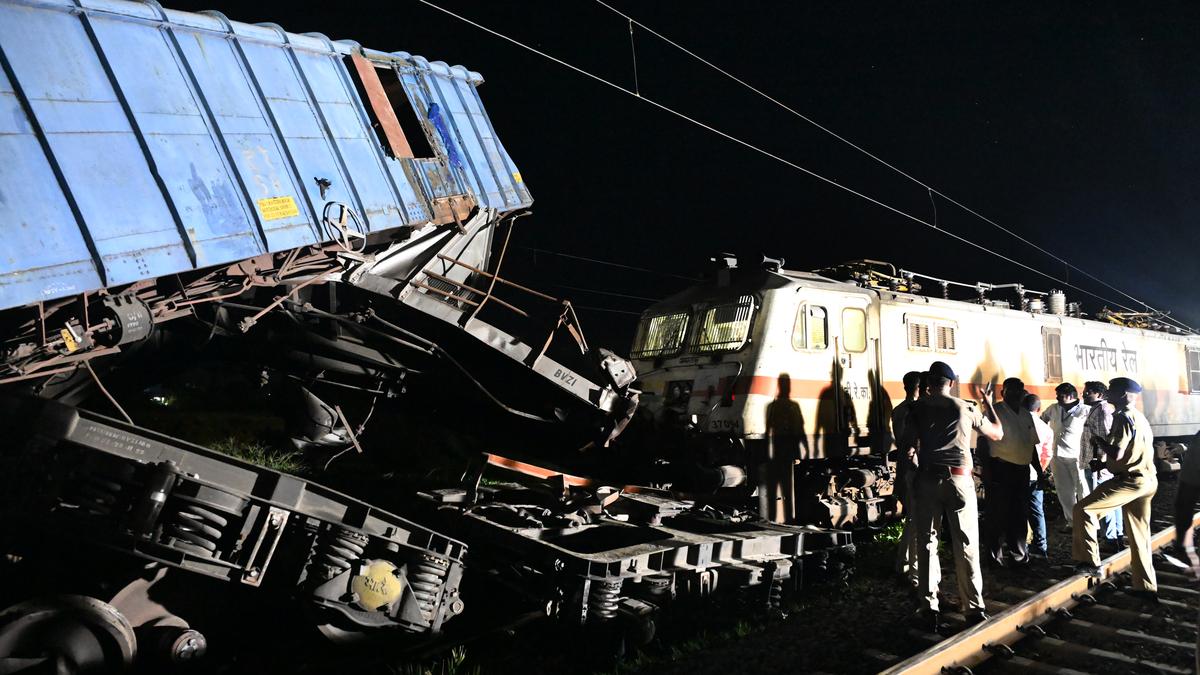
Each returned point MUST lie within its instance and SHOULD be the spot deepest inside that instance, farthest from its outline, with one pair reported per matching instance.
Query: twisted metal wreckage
(337, 208)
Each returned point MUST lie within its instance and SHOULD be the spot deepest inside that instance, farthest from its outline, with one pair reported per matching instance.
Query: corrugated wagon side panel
(299, 126)
(497, 155)
(44, 254)
(359, 151)
(93, 142)
(205, 195)
(252, 142)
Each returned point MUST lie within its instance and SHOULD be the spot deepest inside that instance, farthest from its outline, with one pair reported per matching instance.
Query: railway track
(1078, 625)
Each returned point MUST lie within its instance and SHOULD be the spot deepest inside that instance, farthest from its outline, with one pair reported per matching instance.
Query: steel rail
(976, 644)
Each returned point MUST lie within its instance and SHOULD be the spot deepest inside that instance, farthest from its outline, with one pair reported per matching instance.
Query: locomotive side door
(855, 365)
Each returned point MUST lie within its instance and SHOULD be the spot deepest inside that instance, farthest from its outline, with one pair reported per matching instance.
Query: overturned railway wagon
(160, 165)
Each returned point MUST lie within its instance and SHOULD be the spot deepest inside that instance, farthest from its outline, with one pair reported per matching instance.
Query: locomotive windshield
(724, 328)
(660, 335)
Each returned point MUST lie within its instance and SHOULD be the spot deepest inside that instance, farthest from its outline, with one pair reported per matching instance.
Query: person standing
(1129, 455)
(906, 551)
(1067, 418)
(1097, 426)
(1008, 488)
(1045, 450)
(937, 435)
(1188, 493)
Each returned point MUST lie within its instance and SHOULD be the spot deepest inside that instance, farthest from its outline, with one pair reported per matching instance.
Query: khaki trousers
(938, 493)
(1134, 494)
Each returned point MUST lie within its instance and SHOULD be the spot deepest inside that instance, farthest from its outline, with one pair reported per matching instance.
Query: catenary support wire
(932, 190)
(778, 158)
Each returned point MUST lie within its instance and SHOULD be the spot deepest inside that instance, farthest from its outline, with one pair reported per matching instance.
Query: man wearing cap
(1129, 453)
(937, 435)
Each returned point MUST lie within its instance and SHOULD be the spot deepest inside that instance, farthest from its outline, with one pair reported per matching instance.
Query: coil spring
(101, 490)
(775, 594)
(658, 586)
(338, 548)
(426, 579)
(195, 528)
(602, 600)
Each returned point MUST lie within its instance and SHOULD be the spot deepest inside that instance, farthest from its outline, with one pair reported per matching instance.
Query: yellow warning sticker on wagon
(275, 208)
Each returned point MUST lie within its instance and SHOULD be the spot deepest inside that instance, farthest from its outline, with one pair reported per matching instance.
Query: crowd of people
(1097, 448)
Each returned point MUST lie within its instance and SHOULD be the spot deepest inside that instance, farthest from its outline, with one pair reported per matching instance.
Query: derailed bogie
(619, 561)
(93, 481)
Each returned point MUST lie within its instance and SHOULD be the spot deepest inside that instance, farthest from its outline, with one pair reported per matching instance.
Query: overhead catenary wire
(776, 157)
(932, 190)
(610, 263)
(608, 293)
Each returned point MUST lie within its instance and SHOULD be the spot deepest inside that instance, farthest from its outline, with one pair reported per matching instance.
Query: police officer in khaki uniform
(1129, 451)
(937, 435)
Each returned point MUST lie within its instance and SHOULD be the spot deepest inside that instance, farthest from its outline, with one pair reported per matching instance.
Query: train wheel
(68, 633)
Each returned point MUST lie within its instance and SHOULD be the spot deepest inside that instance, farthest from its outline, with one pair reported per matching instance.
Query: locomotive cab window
(724, 328)
(660, 335)
(1193, 368)
(811, 328)
(1052, 346)
(854, 329)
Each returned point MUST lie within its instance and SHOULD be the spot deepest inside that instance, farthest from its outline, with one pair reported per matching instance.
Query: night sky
(1075, 127)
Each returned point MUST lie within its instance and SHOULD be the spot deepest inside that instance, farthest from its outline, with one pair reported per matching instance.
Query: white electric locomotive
(723, 357)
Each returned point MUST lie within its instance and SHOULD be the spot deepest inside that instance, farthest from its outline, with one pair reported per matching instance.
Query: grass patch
(255, 452)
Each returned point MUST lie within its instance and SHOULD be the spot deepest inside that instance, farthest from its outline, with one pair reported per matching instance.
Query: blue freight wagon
(138, 142)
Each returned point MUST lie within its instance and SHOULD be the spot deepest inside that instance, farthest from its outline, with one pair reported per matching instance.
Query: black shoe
(975, 617)
(1017, 563)
(1110, 545)
(1038, 556)
(1176, 556)
(1089, 570)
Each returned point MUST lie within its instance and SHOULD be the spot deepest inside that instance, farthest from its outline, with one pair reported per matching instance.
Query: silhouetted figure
(785, 438)
(835, 416)
(879, 418)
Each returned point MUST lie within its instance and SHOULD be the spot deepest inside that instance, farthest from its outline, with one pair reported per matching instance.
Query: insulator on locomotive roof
(1058, 302)
(772, 264)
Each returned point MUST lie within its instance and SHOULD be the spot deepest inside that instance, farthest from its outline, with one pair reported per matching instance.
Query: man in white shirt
(1067, 418)
(1007, 504)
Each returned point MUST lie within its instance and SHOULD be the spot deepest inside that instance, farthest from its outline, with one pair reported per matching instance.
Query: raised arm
(990, 426)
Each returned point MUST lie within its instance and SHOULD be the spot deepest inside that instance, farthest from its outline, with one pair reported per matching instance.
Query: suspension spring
(338, 548)
(103, 489)
(426, 579)
(195, 528)
(602, 600)
(658, 588)
(775, 595)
